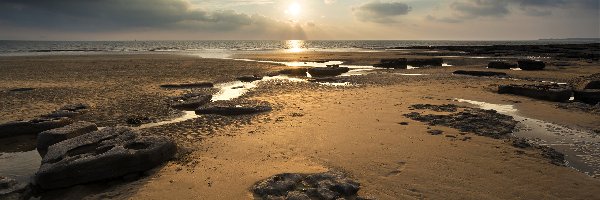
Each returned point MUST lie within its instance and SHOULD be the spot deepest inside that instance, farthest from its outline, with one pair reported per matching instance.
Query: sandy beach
(358, 128)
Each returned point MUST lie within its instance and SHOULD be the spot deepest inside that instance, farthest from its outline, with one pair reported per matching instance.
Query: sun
(294, 9)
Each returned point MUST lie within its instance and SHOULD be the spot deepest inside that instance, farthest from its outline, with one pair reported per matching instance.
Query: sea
(17, 48)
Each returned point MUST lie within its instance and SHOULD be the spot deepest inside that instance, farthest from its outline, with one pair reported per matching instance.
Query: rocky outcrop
(108, 153)
(588, 82)
(479, 73)
(249, 78)
(50, 137)
(500, 65)
(327, 71)
(530, 65)
(589, 96)
(437, 108)
(190, 101)
(70, 110)
(187, 85)
(425, 62)
(398, 63)
(553, 92)
(327, 185)
(481, 122)
(34, 126)
(296, 71)
(234, 107)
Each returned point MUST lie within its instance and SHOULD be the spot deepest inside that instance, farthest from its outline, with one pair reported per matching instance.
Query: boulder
(398, 63)
(588, 82)
(105, 154)
(250, 78)
(33, 126)
(530, 65)
(50, 137)
(479, 73)
(589, 96)
(327, 71)
(234, 107)
(188, 85)
(296, 71)
(553, 92)
(327, 185)
(500, 65)
(426, 62)
(190, 101)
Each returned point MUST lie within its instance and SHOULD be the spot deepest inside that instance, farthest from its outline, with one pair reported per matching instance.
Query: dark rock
(234, 107)
(105, 154)
(33, 126)
(500, 65)
(521, 143)
(11, 188)
(137, 120)
(327, 71)
(21, 89)
(328, 80)
(531, 65)
(190, 101)
(426, 62)
(403, 123)
(297, 71)
(481, 122)
(554, 156)
(479, 73)
(398, 63)
(50, 137)
(188, 85)
(553, 92)
(435, 132)
(249, 78)
(70, 110)
(327, 185)
(438, 108)
(589, 96)
(78, 107)
(588, 82)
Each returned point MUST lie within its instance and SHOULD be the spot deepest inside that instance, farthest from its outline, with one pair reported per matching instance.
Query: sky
(298, 19)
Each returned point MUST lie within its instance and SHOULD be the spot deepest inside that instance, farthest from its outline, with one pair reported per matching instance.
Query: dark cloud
(472, 9)
(381, 12)
(121, 15)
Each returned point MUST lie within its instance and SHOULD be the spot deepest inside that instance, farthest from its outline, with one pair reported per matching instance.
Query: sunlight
(294, 9)
(294, 46)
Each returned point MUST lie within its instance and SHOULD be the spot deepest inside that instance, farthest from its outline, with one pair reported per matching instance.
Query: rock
(327, 185)
(521, 143)
(137, 120)
(71, 110)
(531, 65)
(249, 78)
(589, 96)
(327, 71)
(78, 107)
(190, 101)
(21, 89)
(11, 188)
(188, 85)
(554, 156)
(479, 121)
(553, 92)
(589, 82)
(398, 63)
(437, 108)
(297, 71)
(105, 154)
(234, 107)
(33, 126)
(328, 80)
(426, 62)
(403, 123)
(50, 137)
(500, 65)
(435, 132)
(479, 73)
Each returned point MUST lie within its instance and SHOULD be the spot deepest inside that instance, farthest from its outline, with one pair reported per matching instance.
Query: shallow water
(21, 165)
(581, 148)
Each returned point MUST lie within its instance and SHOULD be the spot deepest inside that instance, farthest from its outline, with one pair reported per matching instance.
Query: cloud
(329, 1)
(121, 15)
(381, 12)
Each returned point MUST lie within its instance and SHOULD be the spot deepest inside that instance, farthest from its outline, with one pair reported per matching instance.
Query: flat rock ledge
(548, 92)
(479, 121)
(190, 101)
(105, 154)
(53, 136)
(34, 126)
(327, 71)
(480, 73)
(235, 107)
(327, 185)
(187, 85)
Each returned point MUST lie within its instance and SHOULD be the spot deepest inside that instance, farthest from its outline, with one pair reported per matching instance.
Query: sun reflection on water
(294, 46)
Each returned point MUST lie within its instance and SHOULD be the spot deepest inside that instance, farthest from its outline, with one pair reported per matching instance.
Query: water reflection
(294, 46)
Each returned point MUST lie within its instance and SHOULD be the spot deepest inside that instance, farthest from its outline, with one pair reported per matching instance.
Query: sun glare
(294, 46)
(294, 9)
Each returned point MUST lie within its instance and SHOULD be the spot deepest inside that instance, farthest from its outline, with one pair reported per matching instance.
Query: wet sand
(313, 128)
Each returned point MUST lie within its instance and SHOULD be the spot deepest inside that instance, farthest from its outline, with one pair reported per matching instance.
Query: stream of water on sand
(581, 148)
